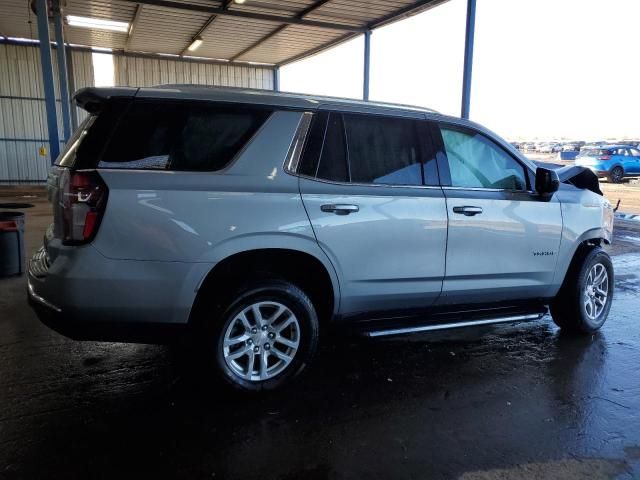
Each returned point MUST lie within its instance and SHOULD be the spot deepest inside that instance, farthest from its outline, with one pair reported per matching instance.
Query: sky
(542, 69)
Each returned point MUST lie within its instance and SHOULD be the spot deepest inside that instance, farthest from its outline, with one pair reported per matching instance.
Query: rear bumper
(86, 296)
(70, 324)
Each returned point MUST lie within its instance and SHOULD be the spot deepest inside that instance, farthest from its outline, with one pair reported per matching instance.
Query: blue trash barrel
(11, 243)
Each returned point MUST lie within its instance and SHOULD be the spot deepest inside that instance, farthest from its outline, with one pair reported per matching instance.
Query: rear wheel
(266, 336)
(616, 175)
(584, 301)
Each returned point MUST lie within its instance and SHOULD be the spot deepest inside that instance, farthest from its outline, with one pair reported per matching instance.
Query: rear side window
(383, 150)
(180, 136)
(477, 162)
(368, 149)
(333, 159)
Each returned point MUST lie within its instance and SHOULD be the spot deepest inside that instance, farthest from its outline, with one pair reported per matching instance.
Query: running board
(447, 326)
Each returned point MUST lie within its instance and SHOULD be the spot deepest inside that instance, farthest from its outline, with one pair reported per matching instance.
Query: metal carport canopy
(265, 32)
(274, 32)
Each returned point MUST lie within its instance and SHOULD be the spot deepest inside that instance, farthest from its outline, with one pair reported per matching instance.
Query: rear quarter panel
(200, 218)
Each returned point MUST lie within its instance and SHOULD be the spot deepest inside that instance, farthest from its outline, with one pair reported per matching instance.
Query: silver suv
(254, 220)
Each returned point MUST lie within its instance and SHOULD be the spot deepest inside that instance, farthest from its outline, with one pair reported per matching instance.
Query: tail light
(83, 200)
(604, 157)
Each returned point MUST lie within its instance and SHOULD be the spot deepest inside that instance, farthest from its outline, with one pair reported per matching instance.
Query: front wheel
(584, 301)
(266, 336)
(616, 175)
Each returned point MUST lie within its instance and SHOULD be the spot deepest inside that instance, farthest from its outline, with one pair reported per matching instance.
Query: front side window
(634, 152)
(382, 150)
(180, 136)
(476, 162)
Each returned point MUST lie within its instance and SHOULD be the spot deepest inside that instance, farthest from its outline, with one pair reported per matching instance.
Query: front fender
(586, 217)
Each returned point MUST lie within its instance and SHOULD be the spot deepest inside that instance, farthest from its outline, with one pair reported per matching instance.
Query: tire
(239, 332)
(576, 308)
(616, 175)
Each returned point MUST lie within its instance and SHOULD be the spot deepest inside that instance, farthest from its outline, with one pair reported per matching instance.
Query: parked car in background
(251, 221)
(551, 147)
(614, 162)
(570, 147)
(545, 148)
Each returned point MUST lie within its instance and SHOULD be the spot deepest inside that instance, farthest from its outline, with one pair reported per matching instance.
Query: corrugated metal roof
(264, 31)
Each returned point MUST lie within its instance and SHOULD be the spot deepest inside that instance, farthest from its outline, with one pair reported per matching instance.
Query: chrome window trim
(481, 189)
(294, 153)
(354, 184)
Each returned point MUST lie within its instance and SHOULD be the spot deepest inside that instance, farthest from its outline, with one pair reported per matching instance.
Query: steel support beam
(277, 30)
(65, 105)
(367, 64)
(204, 27)
(132, 27)
(72, 88)
(47, 78)
(468, 58)
(250, 14)
(276, 79)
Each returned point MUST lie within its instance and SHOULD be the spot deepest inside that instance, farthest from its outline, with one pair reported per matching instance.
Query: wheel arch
(589, 240)
(309, 272)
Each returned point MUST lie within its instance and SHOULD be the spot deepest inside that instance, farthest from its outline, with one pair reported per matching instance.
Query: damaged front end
(579, 177)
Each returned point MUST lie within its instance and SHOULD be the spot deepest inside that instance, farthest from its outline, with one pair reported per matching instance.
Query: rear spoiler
(91, 99)
(579, 177)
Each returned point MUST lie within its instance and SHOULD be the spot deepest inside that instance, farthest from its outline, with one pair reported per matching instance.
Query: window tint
(429, 152)
(382, 150)
(180, 136)
(86, 145)
(476, 162)
(313, 145)
(333, 158)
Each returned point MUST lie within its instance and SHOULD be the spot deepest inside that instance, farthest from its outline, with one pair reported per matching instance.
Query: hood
(579, 177)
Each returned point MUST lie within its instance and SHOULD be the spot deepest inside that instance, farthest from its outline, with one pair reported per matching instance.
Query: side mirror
(547, 182)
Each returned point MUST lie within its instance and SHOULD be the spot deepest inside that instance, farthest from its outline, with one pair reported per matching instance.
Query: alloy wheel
(261, 341)
(596, 291)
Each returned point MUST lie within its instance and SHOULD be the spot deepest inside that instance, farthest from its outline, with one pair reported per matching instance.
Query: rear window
(595, 152)
(180, 136)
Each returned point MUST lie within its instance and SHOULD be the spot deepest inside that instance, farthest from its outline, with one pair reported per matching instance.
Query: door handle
(467, 210)
(340, 209)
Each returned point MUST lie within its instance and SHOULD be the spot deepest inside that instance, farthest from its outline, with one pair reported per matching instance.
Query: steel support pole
(468, 58)
(47, 78)
(276, 79)
(367, 64)
(65, 105)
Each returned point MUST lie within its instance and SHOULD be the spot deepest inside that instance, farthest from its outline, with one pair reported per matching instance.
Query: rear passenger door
(503, 240)
(369, 185)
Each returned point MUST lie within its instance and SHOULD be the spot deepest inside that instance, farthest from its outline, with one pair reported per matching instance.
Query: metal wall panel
(23, 126)
(82, 67)
(144, 72)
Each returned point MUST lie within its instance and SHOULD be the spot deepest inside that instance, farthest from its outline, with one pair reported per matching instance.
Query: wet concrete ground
(515, 401)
